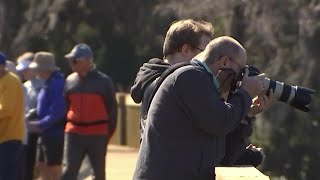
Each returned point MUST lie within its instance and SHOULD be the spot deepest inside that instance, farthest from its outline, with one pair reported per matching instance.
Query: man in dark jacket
(187, 121)
(184, 40)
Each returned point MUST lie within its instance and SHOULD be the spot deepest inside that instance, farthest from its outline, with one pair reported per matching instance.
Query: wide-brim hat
(43, 61)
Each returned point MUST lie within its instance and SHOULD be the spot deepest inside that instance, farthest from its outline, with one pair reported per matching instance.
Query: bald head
(220, 47)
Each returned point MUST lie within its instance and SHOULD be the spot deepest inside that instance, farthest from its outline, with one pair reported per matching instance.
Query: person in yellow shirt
(11, 122)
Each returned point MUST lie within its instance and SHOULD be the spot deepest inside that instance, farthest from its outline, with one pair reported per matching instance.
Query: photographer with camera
(178, 48)
(188, 121)
(238, 150)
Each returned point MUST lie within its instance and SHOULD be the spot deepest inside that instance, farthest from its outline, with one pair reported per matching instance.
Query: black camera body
(296, 96)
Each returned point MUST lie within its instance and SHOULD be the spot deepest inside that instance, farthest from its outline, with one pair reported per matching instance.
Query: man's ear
(223, 61)
(185, 49)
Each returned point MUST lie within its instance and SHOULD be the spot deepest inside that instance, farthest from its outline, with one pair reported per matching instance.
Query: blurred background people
(91, 116)
(51, 109)
(32, 87)
(11, 122)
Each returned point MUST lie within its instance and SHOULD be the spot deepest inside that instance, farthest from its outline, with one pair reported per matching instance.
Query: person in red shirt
(91, 115)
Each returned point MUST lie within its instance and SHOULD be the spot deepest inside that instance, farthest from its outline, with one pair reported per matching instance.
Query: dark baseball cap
(80, 50)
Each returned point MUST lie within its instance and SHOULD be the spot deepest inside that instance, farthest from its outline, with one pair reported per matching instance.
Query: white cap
(23, 65)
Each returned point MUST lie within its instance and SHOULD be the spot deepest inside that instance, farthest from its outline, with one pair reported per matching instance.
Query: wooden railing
(127, 132)
(239, 173)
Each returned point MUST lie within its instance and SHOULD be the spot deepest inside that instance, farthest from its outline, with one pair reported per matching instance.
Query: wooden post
(123, 116)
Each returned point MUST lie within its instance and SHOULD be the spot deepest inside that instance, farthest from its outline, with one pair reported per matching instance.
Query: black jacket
(237, 141)
(144, 86)
(186, 127)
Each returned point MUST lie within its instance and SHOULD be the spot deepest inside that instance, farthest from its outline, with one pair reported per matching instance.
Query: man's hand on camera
(261, 103)
(252, 84)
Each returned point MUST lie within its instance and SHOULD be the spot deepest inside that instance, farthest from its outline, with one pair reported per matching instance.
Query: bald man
(188, 121)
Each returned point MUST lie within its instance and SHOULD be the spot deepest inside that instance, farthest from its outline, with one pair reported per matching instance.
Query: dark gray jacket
(144, 85)
(186, 127)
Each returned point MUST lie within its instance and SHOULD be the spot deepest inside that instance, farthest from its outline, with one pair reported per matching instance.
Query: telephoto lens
(296, 96)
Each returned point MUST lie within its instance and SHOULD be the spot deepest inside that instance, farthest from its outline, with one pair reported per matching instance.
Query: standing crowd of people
(46, 120)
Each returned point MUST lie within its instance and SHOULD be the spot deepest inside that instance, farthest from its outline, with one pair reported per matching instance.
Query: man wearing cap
(51, 109)
(11, 122)
(32, 87)
(91, 114)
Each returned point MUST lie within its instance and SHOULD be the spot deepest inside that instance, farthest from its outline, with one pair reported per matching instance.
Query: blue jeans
(10, 163)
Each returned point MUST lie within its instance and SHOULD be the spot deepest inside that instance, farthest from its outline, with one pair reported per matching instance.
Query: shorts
(51, 150)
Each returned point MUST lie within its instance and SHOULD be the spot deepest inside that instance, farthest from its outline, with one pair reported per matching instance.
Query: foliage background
(282, 38)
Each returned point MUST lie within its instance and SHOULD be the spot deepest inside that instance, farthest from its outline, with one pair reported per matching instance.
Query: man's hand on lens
(252, 84)
(261, 103)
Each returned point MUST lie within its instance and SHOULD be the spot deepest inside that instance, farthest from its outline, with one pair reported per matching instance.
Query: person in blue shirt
(50, 119)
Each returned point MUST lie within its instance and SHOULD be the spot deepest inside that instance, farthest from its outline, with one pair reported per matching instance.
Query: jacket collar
(205, 66)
